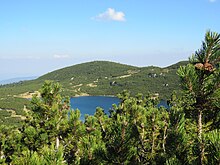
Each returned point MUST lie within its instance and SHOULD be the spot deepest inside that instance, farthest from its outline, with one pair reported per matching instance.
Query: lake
(88, 104)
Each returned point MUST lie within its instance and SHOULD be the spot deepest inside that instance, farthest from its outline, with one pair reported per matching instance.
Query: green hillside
(93, 78)
(109, 78)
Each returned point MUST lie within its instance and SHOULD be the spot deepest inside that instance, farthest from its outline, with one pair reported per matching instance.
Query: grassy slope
(95, 78)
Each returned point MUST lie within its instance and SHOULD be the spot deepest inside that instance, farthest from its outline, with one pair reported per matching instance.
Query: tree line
(136, 131)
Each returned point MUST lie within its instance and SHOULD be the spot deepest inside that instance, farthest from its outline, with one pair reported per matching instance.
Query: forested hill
(110, 78)
(93, 78)
(104, 78)
(89, 70)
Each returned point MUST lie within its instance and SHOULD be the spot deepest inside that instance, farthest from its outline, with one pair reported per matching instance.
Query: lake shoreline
(92, 96)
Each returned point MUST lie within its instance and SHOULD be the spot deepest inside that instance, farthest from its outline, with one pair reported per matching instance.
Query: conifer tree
(44, 127)
(74, 131)
(201, 82)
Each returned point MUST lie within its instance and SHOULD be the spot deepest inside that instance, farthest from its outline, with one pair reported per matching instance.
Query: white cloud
(111, 15)
(56, 56)
(212, 0)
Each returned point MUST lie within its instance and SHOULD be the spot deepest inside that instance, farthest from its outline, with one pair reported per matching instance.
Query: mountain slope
(105, 78)
(88, 70)
(110, 78)
(92, 78)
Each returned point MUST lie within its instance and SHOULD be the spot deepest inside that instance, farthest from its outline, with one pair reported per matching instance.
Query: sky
(39, 36)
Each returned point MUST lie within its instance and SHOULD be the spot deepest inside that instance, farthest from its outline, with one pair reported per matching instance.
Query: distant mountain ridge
(17, 79)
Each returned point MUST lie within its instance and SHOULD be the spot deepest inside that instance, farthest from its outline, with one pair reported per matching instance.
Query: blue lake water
(88, 104)
(163, 103)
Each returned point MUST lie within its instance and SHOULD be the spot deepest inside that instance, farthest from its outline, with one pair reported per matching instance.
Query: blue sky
(38, 36)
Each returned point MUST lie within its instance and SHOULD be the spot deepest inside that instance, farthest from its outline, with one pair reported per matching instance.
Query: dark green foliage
(213, 147)
(136, 132)
(200, 81)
